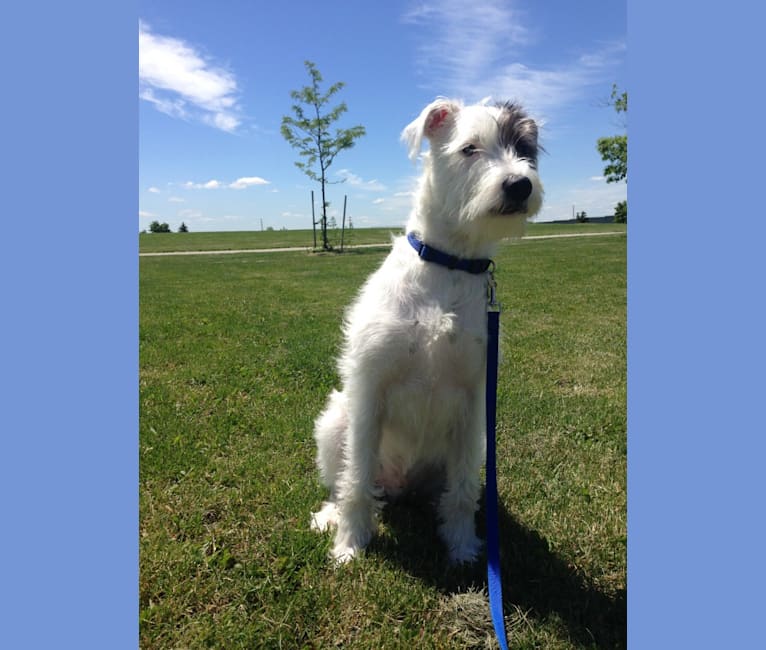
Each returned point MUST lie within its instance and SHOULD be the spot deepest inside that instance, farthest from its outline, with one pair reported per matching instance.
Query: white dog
(413, 365)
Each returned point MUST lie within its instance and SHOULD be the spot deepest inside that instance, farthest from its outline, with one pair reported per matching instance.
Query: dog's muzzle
(516, 191)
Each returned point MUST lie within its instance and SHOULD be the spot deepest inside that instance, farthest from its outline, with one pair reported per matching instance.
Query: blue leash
(476, 266)
(494, 582)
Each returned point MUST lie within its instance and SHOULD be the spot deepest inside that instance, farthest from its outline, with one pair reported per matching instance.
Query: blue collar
(430, 254)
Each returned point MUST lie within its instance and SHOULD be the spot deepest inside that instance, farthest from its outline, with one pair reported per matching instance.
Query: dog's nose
(517, 188)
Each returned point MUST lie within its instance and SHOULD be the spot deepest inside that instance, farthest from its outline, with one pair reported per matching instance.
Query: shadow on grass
(534, 577)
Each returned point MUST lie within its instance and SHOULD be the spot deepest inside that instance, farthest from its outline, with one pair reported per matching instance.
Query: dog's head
(481, 171)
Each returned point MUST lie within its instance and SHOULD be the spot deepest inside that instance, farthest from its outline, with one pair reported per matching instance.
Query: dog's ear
(434, 122)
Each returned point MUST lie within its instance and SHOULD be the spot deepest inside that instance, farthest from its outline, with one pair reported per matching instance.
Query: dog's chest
(434, 385)
(447, 340)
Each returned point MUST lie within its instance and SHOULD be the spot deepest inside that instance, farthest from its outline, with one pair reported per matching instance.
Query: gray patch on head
(518, 131)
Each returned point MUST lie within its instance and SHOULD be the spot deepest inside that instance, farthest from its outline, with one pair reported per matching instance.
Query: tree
(621, 212)
(582, 217)
(614, 152)
(156, 226)
(183, 227)
(614, 149)
(309, 133)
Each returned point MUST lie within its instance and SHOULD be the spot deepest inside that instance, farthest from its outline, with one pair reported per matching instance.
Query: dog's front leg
(357, 503)
(460, 499)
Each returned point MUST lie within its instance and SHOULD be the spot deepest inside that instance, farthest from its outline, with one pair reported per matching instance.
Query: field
(236, 355)
(216, 241)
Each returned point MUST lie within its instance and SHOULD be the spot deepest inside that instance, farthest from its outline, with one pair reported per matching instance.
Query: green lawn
(215, 241)
(237, 357)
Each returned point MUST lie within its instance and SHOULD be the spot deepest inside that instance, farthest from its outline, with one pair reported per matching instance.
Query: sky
(215, 82)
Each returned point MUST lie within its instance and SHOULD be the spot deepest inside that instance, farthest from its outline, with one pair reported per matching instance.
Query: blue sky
(215, 81)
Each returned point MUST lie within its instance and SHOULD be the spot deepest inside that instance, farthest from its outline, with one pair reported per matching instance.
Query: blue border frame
(70, 294)
(696, 351)
(696, 326)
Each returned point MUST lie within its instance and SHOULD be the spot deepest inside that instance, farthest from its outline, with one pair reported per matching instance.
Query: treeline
(156, 226)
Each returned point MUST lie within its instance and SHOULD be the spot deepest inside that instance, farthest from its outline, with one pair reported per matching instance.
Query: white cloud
(146, 215)
(546, 90)
(173, 108)
(222, 121)
(248, 181)
(182, 83)
(360, 184)
(472, 50)
(176, 199)
(395, 205)
(466, 37)
(153, 190)
(239, 184)
(210, 185)
(190, 214)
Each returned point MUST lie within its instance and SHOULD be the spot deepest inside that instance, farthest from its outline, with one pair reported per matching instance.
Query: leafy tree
(156, 226)
(621, 212)
(582, 217)
(309, 132)
(183, 227)
(614, 149)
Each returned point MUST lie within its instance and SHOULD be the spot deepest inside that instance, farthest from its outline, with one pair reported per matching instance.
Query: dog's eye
(469, 150)
(525, 149)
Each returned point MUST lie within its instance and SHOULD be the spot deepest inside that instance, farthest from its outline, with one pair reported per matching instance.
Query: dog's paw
(347, 547)
(325, 518)
(342, 554)
(351, 537)
(467, 552)
(463, 546)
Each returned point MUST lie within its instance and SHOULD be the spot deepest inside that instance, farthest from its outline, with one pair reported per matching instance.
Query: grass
(236, 359)
(215, 241)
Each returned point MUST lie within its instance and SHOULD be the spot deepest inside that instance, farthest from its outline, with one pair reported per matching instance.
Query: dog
(414, 360)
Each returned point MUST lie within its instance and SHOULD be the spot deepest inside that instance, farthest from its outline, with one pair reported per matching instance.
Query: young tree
(309, 132)
(183, 227)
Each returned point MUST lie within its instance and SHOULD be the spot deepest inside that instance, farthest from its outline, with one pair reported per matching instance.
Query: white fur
(414, 359)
